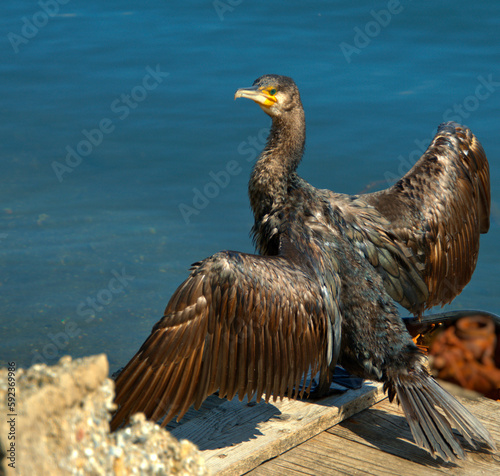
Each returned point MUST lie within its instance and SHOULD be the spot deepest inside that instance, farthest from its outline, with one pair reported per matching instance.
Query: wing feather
(227, 328)
(439, 209)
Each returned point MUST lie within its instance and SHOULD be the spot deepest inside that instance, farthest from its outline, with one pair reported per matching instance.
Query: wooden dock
(356, 432)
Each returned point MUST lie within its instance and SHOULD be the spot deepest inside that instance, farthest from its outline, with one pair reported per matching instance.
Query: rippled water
(125, 159)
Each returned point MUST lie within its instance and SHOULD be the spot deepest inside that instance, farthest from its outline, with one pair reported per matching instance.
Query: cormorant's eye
(272, 92)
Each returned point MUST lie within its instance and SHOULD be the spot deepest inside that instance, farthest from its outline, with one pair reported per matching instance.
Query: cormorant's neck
(277, 163)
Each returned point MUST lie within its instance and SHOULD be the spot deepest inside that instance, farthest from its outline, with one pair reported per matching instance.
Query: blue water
(116, 117)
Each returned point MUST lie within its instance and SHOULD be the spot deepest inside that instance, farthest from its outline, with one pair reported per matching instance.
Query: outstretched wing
(240, 323)
(439, 208)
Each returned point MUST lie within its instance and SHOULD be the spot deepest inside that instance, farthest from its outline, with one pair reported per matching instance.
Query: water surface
(117, 116)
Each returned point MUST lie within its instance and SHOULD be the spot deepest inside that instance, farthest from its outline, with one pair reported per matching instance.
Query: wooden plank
(209, 404)
(378, 442)
(236, 437)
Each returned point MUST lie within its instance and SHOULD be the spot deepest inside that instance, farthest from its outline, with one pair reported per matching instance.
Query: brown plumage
(263, 345)
(321, 291)
(438, 210)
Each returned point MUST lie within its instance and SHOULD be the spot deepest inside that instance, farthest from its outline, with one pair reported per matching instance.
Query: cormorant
(323, 287)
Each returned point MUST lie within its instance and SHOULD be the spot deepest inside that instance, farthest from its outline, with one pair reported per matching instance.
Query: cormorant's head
(275, 94)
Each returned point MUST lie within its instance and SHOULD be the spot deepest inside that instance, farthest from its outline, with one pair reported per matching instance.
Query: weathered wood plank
(236, 437)
(378, 442)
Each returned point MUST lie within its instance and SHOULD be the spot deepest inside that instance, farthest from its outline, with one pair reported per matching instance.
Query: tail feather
(470, 427)
(432, 412)
(435, 431)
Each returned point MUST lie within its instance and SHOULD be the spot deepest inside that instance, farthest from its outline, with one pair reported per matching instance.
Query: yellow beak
(260, 96)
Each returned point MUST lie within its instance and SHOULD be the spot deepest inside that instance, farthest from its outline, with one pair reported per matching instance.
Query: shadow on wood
(235, 437)
(391, 434)
(227, 423)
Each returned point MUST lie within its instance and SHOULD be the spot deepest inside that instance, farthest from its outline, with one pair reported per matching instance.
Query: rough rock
(61, 427)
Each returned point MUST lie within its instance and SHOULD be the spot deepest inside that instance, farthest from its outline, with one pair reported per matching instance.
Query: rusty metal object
(466, 353)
